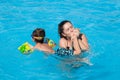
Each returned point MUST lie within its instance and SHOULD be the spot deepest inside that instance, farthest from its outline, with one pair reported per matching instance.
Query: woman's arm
(83, 43)
(75, 42)
(77, 49)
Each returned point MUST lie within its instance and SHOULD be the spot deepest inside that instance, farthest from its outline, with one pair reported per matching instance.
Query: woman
(71, 38)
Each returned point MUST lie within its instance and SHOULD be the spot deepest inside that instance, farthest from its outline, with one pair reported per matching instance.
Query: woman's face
(67, 29)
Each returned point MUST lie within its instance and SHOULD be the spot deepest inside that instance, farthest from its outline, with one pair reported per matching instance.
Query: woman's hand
(76, 32)
(73, 36)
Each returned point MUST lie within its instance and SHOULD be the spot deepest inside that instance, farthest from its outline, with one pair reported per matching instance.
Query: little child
(38, 35)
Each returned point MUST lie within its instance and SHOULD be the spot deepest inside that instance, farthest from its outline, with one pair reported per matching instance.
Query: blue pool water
(98, 19)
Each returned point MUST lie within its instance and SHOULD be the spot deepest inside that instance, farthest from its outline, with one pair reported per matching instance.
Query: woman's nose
(71, 29)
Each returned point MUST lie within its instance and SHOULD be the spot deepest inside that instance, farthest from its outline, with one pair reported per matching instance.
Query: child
(38, 35)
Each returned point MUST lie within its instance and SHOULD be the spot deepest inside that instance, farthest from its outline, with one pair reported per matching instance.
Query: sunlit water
(98, 19)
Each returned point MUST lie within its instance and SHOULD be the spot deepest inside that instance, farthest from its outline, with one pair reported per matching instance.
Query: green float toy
(25, 48)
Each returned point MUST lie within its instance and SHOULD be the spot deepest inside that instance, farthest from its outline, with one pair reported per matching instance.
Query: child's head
(38, 35)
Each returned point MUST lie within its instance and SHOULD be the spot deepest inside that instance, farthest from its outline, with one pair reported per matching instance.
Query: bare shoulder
(45, 46)
(62, 42)
(40, 47)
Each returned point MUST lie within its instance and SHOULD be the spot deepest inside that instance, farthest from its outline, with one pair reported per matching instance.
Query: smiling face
(67, 29)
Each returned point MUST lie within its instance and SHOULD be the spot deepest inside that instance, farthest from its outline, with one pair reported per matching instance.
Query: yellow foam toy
(50, 42)
(25, 48)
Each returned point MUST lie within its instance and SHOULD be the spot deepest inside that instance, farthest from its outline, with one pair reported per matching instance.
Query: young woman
(71, 38)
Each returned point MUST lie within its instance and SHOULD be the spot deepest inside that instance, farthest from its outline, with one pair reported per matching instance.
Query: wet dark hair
(60, 28)
(38, 32)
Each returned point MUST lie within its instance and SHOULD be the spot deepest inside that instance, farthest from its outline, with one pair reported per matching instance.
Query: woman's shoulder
(62, 43)
(62, 40)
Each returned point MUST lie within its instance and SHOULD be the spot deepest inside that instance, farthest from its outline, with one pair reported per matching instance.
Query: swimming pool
(98, 19)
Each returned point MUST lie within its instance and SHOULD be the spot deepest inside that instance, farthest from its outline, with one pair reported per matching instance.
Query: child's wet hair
(38, 32)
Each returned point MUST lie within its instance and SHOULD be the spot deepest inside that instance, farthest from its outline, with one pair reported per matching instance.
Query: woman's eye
(67, 29)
